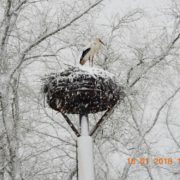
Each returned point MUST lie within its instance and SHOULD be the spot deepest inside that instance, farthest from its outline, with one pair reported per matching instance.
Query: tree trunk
(10, 121)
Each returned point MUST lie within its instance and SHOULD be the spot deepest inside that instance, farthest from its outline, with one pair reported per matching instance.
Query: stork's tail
(82, 61)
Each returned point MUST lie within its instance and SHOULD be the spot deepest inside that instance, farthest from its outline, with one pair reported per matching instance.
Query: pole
(85, 151)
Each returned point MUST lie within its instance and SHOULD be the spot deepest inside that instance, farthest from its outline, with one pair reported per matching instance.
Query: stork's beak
(102, 42)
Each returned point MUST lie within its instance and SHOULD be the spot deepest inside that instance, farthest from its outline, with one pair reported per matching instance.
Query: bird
(89, 53)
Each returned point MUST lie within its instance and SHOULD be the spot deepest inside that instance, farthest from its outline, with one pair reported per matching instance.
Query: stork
(89, 53)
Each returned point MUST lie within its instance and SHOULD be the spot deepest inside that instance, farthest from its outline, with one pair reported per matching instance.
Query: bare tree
(38, 37)
(20, 45)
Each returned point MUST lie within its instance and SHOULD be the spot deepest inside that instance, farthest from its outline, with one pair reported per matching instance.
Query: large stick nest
(81, 91)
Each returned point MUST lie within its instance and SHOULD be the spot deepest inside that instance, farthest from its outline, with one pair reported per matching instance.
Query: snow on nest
(75, 71)
(88, 71)
(97, 71)
(81, 89)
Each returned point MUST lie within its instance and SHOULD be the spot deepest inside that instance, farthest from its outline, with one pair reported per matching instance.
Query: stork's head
(99, 41)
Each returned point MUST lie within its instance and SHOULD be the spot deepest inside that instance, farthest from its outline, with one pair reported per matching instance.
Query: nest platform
(81, 90)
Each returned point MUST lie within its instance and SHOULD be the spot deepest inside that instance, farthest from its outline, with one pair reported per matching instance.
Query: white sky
(153, 8)
(122, 6)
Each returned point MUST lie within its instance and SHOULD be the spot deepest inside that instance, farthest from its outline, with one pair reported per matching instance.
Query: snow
(84, 125)
(85, 151)
(85, 158)
(97, 71)
(74, 74)
(91, 71)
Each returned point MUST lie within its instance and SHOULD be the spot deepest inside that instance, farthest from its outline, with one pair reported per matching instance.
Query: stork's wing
(84, 53)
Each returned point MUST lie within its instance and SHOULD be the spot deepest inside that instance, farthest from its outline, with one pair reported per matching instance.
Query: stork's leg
(89, 60)
(92, 60)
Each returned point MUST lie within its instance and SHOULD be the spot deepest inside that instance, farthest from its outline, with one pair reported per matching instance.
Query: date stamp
(156, 161)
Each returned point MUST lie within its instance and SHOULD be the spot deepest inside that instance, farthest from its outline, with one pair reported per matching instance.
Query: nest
(81, 91)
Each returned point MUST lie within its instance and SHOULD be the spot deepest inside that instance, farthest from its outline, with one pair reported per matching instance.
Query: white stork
(89, 53)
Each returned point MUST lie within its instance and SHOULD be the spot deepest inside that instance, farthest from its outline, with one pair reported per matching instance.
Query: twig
(159, 111)
(161, 58)
(46, 36)
(169, 130)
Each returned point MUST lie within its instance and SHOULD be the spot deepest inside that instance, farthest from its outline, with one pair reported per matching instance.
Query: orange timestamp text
(156, 161)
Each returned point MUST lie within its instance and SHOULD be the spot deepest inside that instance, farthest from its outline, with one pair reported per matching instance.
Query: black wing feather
(85, 52)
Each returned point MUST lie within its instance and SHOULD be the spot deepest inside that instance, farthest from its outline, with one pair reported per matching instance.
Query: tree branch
(19, 6)
(161, 58)
(169, 129)
(46, 36)
(159, 111)
(7, 19)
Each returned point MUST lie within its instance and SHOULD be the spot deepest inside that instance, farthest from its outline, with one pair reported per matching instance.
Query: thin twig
(161, 58)
(169, 129)
(46, 36)
(159, 111)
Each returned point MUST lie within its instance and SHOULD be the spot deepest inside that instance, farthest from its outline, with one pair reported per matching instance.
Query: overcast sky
(122, 6)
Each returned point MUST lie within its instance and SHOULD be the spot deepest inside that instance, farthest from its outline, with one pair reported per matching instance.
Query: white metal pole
(85, 151)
